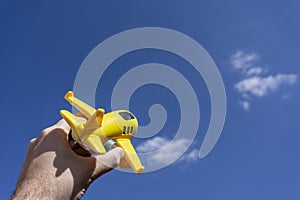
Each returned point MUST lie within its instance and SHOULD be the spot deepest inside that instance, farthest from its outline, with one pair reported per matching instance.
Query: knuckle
(32, 140)
(45, 132)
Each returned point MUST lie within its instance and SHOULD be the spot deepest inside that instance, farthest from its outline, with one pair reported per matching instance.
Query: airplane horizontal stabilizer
(84, 108)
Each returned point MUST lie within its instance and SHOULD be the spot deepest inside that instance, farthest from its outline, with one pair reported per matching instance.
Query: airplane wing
(84, 108)
(95, 144)
(130, 155)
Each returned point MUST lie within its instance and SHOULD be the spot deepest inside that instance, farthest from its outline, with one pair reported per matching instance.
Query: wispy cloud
(152, 144)
(162, 155)
(242, 60)
(254, 71)
(261, 86)
(255, 82)
(190, 157)
(245, 104)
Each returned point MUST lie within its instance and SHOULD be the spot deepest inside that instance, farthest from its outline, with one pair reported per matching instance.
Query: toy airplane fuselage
(110, 128)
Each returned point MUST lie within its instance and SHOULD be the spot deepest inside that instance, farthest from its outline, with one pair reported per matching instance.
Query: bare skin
(53, 170)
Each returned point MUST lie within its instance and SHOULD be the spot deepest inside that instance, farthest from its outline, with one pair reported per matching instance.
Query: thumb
(108, 161)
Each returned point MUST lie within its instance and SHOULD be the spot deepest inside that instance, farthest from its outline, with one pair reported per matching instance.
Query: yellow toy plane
(110, 128)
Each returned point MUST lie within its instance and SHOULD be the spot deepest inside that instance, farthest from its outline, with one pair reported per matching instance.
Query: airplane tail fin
(93, 123)
(84, 108)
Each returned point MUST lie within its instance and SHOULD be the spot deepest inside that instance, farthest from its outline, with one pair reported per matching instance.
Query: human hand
(52, 169)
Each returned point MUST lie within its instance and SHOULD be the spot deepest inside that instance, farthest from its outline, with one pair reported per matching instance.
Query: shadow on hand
(81, 166)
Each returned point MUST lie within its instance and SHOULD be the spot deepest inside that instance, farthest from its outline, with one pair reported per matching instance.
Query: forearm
(38, 182)
(32, 188)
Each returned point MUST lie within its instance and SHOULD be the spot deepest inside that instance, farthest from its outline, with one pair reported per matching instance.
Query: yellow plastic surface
(130, 155)
(100, 127)
(84, 108)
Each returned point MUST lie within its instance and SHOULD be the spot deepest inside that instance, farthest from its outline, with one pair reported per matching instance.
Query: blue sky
(255, 45)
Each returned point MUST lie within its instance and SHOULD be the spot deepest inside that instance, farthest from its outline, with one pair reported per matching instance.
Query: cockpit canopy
(126, 115)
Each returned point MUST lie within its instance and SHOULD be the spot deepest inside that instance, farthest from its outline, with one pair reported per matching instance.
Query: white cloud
(261, 86)
(161, 155)
(245, 105)
(153, 144)
(242, 60)
(254, 71)
(253, 84)
(190, 157)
